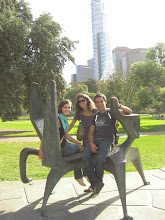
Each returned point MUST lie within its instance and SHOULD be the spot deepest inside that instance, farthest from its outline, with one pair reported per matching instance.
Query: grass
(25, 128)
(152, 151)
(152, 148)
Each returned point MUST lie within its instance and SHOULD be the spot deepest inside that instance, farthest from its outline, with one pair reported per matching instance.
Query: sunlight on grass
(152, 151)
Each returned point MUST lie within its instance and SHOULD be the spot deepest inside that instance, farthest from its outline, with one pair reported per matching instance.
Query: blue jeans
(71, 148)
(95, 173)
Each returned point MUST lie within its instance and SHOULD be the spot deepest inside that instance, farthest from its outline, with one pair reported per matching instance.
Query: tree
(71, 93)
(147, 74)
(46, 56)
(114, 86)
(147, 78)
(29, 51)
(15, 20)
(156, 53)
(159, 103)
(92, 85)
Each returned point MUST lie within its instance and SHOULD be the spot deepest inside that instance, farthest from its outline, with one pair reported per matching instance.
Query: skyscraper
(101, 42)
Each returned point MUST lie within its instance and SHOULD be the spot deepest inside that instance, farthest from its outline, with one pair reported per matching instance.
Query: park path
(29, 139)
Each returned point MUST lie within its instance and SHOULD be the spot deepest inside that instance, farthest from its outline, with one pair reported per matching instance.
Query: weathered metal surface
(47, 128)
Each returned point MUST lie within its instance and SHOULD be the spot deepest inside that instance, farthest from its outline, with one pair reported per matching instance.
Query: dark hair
(100, 95)
(62, 103)
(90, 104)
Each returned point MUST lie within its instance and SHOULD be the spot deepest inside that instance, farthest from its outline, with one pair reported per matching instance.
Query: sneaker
(90, 189)
(97, 190)
(87, 178)
(81, 182)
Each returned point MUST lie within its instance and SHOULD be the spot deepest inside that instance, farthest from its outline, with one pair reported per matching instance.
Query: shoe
(97, 190)
(81, 182)
(87, 178)
(90, 189)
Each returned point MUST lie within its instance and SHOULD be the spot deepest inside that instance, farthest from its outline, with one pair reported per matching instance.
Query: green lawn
(25, 128)
(152, 148)
(152, 151)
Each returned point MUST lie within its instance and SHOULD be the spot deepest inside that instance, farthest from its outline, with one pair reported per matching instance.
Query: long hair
(62, 103)
(90, 104)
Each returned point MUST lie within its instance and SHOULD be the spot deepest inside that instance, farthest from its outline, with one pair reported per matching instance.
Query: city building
(130, 57)
(84, 72)
(117, 55)
(74, 78)
(101, 41)
(124, 57)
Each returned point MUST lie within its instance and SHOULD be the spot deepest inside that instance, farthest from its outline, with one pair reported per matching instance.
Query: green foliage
(15, 20)
(92, 85)
(147, 74)
(147, 80)
(114, 86)
(46, 56)
(157, 53)
(30, 51)
(144, 97)
(72, 92)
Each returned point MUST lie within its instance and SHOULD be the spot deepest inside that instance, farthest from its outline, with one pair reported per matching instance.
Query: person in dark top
(101, 140)
(84, 109)
(64, 110)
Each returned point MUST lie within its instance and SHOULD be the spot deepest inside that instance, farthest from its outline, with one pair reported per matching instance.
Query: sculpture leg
(120, 180)
(52, 179)
(138, 165)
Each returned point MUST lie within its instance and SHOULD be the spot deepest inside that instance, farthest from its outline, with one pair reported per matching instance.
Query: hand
(41, 154)
(81, 147)
(93, 148)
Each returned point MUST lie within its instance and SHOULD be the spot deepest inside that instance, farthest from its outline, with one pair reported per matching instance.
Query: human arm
(41, 154)
(93, 147)
(71, 139)
(123, 109)
(72, 124)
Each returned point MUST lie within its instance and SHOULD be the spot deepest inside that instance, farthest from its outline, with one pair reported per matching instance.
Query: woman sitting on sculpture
(64, 110)
(84, 109)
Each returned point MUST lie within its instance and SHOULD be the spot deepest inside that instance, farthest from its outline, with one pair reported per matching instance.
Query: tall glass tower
(101, 41)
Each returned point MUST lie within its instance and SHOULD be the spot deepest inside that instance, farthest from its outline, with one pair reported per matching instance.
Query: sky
(131, 23)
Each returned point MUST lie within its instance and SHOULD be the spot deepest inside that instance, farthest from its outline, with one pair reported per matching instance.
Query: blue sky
(131, 23)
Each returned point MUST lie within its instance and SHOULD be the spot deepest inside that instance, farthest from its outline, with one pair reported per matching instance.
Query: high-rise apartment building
(130, 57)
(101, 42)
(84, 72)
(117, 55)
(124, 57)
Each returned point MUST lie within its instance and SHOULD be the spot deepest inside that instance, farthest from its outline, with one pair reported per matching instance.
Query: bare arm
(91, 139)
(41, 154)
(123, 109)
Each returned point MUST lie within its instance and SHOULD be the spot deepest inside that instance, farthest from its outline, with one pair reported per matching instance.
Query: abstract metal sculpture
(47, 128)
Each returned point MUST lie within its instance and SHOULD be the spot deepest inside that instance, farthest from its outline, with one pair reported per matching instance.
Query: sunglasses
(82, 100)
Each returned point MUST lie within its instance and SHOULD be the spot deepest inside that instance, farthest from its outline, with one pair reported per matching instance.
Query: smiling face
(82, 102)
(66, 109)
(100, 104)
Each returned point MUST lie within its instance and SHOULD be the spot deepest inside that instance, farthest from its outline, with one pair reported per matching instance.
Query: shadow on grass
(6, 134)
(152, 128)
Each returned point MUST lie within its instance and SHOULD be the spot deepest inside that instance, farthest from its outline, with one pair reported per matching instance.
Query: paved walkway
(20, 201)
(28, 139)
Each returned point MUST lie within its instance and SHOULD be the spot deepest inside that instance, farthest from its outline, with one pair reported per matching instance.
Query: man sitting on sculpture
(101, 141)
